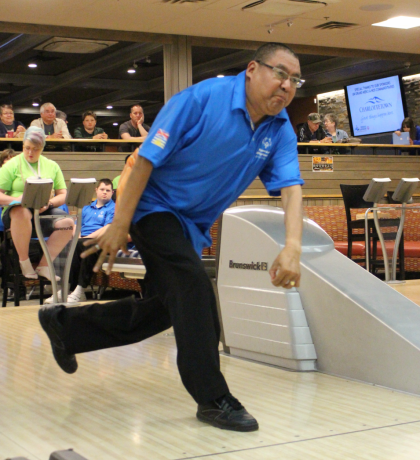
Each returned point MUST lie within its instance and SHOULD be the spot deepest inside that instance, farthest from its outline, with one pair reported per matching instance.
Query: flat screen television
(376, 106)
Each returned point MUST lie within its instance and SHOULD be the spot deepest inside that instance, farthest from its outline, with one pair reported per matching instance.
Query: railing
(319, 147)
(327, 148)
(100, 143)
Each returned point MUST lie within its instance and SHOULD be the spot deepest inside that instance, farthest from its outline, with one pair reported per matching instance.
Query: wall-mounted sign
(322, 164)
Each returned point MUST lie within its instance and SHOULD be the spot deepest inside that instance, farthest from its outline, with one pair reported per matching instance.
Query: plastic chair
(353, 199)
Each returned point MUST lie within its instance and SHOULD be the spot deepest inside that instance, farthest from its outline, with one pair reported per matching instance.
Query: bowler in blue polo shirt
(205, 147)
(96, 218)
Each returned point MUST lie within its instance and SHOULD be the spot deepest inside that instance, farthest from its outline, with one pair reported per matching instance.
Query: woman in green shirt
(29, 164)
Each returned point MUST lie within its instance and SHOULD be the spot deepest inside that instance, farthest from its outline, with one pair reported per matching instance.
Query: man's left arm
(286, 266)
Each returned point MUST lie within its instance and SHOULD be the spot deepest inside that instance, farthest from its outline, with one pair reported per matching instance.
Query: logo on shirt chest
(264, 149)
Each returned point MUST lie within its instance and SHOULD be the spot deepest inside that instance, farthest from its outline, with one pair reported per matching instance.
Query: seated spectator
(89, 129)
(312, 131)
(61, 115)
(8, 126)
(96, 218)
(408, 126)
(133, 129)
(330, 123)
(116, 180)
(54, 128)
(6, 155)
(13, 175)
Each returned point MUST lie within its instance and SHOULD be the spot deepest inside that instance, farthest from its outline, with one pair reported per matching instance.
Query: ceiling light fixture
(35, 104)
(400, 22)
(115, 124)
(109, 107)
(220, 76)
(133, 68)
(32, 64)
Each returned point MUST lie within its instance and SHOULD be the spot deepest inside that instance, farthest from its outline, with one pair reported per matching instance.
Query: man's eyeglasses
(296, 82)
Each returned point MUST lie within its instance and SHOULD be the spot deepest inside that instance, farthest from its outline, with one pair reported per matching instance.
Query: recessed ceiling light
(115, 124)
(109, 107)
(400, 22)
(133, 68)
(220, 76)
(35, 104)
(32, 65)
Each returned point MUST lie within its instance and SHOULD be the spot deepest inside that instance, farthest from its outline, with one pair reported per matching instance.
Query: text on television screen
(376, 106)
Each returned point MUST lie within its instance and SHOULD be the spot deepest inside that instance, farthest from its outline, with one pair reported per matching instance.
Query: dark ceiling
(76, 82)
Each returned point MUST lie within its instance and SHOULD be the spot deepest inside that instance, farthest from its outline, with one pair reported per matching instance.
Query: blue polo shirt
(94, 218)
(205, 153)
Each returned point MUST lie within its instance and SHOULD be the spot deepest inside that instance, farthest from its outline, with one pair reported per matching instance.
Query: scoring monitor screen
(376, 106)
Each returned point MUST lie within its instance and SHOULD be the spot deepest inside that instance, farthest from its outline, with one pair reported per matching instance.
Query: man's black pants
(183, 298)
(82, 269)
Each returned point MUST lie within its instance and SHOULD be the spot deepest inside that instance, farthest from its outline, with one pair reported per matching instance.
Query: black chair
(12, 275)
(353, 199)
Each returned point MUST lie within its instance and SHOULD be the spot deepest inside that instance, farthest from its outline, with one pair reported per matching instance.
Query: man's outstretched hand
(114, 239)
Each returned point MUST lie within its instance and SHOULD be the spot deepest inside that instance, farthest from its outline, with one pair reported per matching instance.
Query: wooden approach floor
(129, 403)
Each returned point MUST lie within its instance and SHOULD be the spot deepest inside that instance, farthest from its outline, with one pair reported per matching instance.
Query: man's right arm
(115, 237)
(127, 136)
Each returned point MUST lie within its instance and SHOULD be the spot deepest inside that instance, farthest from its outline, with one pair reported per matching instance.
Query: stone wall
(336, 103)
(412, 96)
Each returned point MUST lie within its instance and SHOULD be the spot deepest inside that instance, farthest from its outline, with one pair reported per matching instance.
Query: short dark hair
(409, 123)
(105, 181)
(332, 117)
(136, 105)
(5, 106)
(89, 113)
(6, 155)
(265, 51)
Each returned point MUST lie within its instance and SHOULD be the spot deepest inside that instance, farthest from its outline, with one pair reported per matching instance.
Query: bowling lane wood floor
(129, 403)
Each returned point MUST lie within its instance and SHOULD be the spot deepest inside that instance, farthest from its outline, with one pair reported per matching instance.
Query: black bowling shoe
(227, 413)
(49, 322)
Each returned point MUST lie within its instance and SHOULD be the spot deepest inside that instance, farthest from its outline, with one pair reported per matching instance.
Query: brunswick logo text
(251, 266)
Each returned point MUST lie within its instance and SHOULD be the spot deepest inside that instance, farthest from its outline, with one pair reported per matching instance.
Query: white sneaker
(51, 299)
(76, 297)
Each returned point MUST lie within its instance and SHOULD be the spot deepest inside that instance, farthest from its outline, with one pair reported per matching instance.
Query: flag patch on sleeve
(160, 139)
